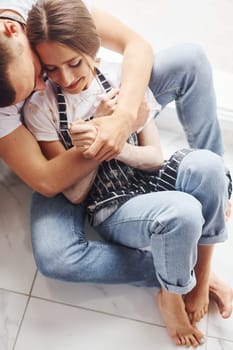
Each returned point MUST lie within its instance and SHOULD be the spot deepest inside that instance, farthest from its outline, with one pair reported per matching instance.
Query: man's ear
(10, 28)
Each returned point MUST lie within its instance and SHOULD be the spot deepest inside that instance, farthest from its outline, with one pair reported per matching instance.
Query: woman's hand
(104, 137)
(107, 103)
(83, 134)
(112, 134)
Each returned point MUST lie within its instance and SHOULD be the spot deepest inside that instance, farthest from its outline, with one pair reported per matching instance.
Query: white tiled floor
(37, 313)
(40, 314)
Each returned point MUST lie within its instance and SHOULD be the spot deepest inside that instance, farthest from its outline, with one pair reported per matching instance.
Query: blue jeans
(171, 223)
(61, 251)
(183, 74)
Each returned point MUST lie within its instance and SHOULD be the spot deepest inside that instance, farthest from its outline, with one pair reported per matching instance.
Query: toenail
(202, 340)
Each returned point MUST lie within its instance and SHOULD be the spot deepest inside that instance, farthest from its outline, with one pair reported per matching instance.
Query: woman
(69, 59)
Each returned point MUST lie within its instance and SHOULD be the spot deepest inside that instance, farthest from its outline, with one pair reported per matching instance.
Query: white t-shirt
(41, 110)
(10, 118)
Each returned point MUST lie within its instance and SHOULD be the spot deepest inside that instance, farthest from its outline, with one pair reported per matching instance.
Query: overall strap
(64, 132)
(107, 87)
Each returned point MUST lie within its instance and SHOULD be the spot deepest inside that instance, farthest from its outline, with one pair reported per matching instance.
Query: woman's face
(66, 67)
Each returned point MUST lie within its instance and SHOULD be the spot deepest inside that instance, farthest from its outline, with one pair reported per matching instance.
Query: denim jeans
(173, 223)
(62, 252)
(183, 74)
(170, 223)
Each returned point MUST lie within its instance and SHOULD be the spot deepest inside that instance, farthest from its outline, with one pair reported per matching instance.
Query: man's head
(20, 69)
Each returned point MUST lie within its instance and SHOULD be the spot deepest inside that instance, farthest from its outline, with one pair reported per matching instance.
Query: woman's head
(66, 22)
(64, 35)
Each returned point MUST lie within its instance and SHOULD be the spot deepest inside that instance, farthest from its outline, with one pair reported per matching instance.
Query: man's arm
(22, 153)
(136, 69)
(78, 191)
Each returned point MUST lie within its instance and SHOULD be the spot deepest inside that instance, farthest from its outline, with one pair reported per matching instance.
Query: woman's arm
(22, 153)
(148, 155)
(136, 69)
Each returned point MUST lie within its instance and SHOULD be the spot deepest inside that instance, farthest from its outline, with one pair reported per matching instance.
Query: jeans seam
(133, 220)
(76, 234)
(176, 89)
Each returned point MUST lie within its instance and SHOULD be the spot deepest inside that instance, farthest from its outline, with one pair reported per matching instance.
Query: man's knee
(194, 57)
(204, 167)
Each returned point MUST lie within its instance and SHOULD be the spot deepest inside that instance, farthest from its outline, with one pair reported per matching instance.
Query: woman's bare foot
(176, 320)
(222, 294)
(197, 302)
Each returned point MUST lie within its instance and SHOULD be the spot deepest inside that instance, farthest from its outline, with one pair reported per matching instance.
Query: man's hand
(101, 138)
(111, 136)
(113, 132)
(83, 134)
(104, 137)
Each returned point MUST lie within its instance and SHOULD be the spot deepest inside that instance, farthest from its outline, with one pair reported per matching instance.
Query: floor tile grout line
(95, 311)
(220, 338)
(21, 323)
(21, 293)
(25, 310)
(14, 292)
(33, 282)
(103, 313)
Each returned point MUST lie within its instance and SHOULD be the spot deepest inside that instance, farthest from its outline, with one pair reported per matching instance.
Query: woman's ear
(10, 28)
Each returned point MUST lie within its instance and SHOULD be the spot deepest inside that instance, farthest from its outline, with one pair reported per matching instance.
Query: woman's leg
(197, 301)
(202, 174)
(170, 223)
(183, 74)
(62, 252)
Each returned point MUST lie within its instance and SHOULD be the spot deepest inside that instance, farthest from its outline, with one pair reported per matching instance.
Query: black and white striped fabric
(64, 133)
(117, 182)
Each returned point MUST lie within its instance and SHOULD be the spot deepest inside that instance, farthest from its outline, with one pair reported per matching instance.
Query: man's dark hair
(7, 92)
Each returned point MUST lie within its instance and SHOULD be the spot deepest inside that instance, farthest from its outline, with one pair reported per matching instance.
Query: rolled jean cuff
(212, 239)
(171, 288)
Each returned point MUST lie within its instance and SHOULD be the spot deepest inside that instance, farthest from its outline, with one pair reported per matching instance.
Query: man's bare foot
(222, 294)
(176, 320)
(197, 301)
